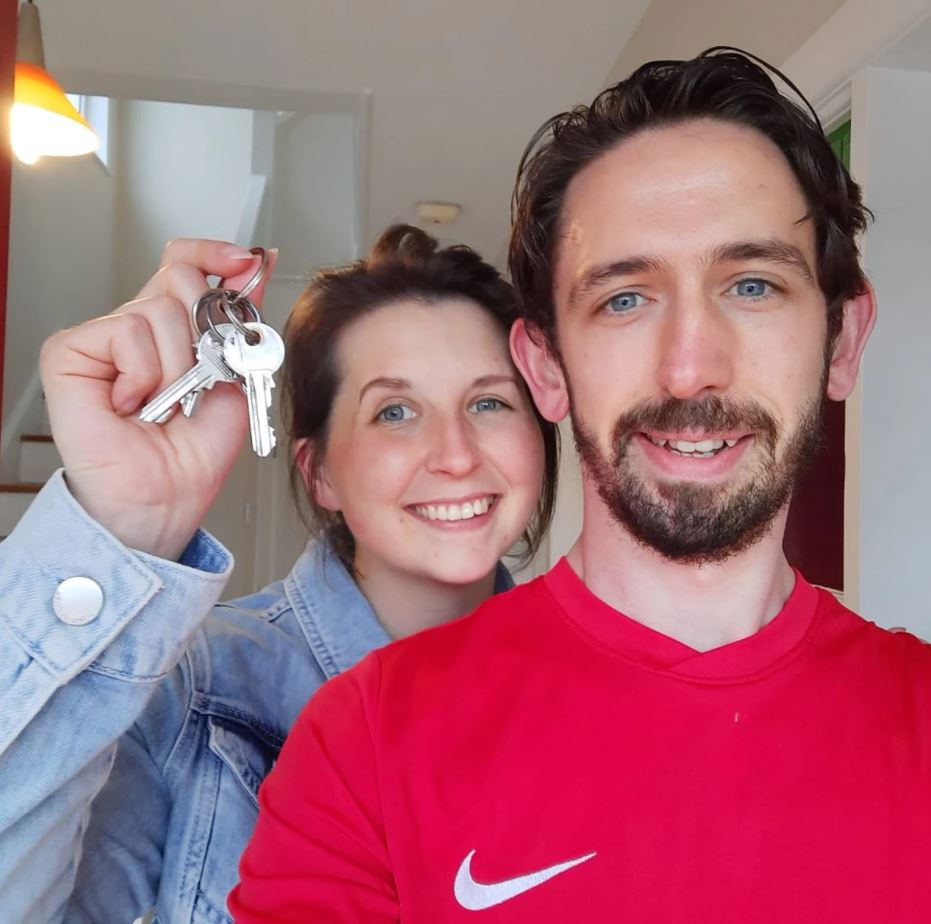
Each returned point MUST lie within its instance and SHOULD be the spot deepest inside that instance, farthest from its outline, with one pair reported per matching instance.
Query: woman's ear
(316, 479)
(541, 370)
(859, 318)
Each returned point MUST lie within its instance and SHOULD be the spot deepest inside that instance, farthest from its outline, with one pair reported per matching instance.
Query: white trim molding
(857, 34)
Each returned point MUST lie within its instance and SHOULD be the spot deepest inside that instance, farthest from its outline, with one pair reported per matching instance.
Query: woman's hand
(148, 484)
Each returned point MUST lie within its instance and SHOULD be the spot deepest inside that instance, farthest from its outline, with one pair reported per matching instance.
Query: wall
(183, 173)
(890, 143)
(61, 260)
(309, 216)
(8, 10)
(673, 29)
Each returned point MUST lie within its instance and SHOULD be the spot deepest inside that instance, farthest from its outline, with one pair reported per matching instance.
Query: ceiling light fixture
(43, 123)
(439, 213)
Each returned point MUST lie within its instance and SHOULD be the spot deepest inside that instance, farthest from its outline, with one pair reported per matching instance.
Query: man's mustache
(715, 413)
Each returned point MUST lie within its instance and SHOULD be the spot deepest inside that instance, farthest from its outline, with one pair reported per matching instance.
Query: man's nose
(697, 349)
(453, 448)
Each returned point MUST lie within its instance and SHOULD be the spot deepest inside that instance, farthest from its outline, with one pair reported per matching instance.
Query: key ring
(229, 300)
(257, 276)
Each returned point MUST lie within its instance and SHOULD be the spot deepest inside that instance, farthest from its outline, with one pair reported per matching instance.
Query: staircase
(38, 459)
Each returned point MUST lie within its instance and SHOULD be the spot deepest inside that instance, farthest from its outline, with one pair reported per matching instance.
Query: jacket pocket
(246, 754)
(244, 758)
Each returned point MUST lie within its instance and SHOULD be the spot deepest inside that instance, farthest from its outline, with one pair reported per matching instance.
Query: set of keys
(242, 349)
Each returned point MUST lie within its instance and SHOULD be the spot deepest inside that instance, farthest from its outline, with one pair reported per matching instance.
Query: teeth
(731, 443)
(453, 512)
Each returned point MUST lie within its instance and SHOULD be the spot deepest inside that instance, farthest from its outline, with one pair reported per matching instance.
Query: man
(671, 725)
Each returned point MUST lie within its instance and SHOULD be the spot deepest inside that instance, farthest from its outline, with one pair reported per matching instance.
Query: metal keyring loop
(223, 297)
(250, 336)
(256, 278)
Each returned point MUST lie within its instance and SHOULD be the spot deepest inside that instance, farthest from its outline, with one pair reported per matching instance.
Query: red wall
(8, 10)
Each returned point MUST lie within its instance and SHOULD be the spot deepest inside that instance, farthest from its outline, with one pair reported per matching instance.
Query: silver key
(209, 369)
(189, 401)
(256, 364)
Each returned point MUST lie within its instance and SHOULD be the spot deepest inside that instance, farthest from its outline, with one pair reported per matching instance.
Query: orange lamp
(43, 123)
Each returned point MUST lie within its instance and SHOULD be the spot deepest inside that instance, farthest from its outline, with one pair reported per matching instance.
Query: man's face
(691, 332)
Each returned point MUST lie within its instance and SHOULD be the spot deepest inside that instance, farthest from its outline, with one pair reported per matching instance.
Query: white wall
(61, 260)
(183, 172)
(309, 217)
(673, 29)
(891, 144)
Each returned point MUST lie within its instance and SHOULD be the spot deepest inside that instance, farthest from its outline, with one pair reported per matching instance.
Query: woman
(423, 462)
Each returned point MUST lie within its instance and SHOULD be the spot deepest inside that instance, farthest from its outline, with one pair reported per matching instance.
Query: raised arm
(123, 514)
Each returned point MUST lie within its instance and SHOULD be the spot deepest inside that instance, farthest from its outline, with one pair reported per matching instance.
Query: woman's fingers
(169, 330)
(187, 262)
(100, 365)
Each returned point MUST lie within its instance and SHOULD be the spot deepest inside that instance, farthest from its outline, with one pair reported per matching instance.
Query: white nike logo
(477, 896)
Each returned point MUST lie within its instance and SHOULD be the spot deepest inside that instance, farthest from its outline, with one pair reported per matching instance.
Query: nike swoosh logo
(477, 896)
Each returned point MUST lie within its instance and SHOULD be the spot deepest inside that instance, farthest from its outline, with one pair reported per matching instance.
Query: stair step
(21, 487)
(38, 458)
(36, 438)
(14, 499)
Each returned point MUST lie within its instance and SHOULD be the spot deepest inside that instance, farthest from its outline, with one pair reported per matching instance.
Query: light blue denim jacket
(132, 748)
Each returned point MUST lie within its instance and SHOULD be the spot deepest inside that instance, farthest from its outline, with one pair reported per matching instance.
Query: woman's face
(433, 456)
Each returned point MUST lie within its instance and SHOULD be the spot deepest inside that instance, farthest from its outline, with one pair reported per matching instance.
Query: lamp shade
(42, 121)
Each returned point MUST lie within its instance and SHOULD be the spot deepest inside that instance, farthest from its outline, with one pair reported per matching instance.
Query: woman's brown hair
(404, 263)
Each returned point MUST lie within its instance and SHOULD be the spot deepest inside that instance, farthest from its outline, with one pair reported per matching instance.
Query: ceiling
(457, 88)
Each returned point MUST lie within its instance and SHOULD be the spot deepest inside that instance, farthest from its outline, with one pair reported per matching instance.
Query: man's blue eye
(395, 413)
(624, 302)
(488, 404)
(752, 288)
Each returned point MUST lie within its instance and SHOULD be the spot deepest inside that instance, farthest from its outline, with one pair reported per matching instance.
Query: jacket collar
(338, 622)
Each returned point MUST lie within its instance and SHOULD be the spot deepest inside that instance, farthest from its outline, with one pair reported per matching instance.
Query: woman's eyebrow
(384, 382)
(486, 380)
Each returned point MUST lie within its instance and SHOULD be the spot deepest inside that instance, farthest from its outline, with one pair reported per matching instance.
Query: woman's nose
(453, 450)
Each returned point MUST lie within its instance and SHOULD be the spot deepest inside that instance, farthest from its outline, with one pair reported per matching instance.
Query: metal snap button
(77, 601)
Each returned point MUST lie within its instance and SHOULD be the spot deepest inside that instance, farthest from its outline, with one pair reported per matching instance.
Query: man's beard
(698, 523)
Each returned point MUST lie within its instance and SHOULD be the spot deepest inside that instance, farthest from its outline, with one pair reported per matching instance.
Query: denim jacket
(132, 748)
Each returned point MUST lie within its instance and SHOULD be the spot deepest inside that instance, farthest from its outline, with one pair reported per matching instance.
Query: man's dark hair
(724, 84)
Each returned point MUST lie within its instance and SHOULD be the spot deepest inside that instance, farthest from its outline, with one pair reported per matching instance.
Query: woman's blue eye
(752, 288)
(395, 413)
(488, 404)
(624, 302)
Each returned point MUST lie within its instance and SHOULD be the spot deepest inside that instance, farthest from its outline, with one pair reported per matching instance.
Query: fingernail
(274, 251)
(237, 253)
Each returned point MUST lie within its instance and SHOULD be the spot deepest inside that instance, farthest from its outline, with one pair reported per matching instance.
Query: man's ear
(859, 318)
(316, 479)
(541, 370)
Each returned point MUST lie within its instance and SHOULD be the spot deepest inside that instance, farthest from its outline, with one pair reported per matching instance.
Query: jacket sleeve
(70, 692)
(319, 851)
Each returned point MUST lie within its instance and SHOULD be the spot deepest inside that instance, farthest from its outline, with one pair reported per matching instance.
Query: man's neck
(702, 606)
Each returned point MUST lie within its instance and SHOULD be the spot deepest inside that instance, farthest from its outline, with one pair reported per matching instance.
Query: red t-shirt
(549, 759)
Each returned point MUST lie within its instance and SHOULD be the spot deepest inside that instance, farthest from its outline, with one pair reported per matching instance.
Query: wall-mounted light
(43, 123)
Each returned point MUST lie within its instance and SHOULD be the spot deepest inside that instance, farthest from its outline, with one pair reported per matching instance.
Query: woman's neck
(407, 603)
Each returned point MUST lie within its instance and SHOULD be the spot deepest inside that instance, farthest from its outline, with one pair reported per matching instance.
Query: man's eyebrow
(769, 251)
(599, 275)
(384, 382)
